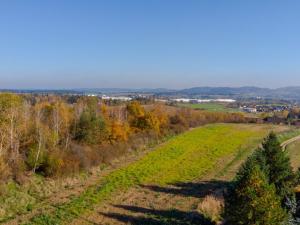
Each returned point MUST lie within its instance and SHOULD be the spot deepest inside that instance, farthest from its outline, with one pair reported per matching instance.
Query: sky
(174, 44)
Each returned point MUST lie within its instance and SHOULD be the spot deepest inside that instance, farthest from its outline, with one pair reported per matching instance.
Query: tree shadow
(158, 217)
(147, 216)
(190, 189)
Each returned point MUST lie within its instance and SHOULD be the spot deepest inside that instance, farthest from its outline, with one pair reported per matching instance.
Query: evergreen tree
(280, 172)
(91, 128)
(252, 200)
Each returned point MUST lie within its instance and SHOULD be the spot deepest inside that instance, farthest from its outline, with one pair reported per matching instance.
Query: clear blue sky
(153, 43)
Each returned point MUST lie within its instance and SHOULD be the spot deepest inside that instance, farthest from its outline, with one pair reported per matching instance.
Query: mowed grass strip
(183, 158)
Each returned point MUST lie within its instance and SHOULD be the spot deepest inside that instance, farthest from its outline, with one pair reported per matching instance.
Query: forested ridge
(60, 135)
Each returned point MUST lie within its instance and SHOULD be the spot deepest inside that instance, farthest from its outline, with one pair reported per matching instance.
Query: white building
(118, 98)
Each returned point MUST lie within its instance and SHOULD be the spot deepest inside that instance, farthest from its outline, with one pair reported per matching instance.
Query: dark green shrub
(252, 200)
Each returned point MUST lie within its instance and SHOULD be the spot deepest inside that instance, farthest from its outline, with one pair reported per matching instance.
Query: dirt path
(290, 141)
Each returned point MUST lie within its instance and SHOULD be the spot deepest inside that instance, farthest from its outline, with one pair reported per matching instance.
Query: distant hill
(285, 93)
(290, 93)
(224, 90)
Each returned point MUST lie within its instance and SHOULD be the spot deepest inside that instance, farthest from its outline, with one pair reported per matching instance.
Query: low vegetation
(183, 158)
(56, 136)
(211, 207)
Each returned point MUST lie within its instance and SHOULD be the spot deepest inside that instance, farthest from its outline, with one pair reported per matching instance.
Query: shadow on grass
(144, 216)
(190, 189)
(158, 217)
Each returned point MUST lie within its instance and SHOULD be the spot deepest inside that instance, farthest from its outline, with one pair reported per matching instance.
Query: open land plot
(212, 107)
(178, 165)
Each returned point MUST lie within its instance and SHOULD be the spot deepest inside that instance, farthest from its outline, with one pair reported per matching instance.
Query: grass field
(184, 158)
(283, 136)
(212, 107)
(294, 152)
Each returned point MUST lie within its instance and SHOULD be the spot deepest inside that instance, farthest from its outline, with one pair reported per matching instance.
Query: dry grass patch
(211, 207)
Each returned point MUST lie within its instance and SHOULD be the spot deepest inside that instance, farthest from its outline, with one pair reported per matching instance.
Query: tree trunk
(38, 152)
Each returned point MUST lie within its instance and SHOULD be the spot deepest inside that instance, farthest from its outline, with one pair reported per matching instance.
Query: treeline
(53, 135)
(263, 190)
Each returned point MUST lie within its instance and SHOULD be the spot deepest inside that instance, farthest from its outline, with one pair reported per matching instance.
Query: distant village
(265, 108)
(257, 106)
(252, 107)
(179, 100)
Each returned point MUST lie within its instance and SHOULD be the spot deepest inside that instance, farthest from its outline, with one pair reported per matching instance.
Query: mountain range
(287, 93)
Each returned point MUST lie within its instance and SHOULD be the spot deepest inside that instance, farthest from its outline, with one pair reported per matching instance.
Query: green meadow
(211, 106)
(183, 158)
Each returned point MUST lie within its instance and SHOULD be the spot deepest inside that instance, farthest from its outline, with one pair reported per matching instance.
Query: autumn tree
(142, 120)
(10, 108)
(118, 131)
(161, 119)
(36, 151)
(136, 116)
(61, 119)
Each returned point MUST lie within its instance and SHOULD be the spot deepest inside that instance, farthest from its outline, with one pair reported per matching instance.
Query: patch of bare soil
(175, 204)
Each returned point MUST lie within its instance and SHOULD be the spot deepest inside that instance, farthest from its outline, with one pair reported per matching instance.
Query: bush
(18, 167)
(32, 160)
(91, 128)
(53, 164)
(211, 207)
(5, 171)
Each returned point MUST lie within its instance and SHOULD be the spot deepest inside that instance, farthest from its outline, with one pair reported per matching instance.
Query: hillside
(285, 93)
(205, 153)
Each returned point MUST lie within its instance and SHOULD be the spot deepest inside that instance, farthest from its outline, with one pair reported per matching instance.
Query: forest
(55, 135)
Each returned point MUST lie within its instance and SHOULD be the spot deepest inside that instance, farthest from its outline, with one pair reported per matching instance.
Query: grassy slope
(183, 158)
